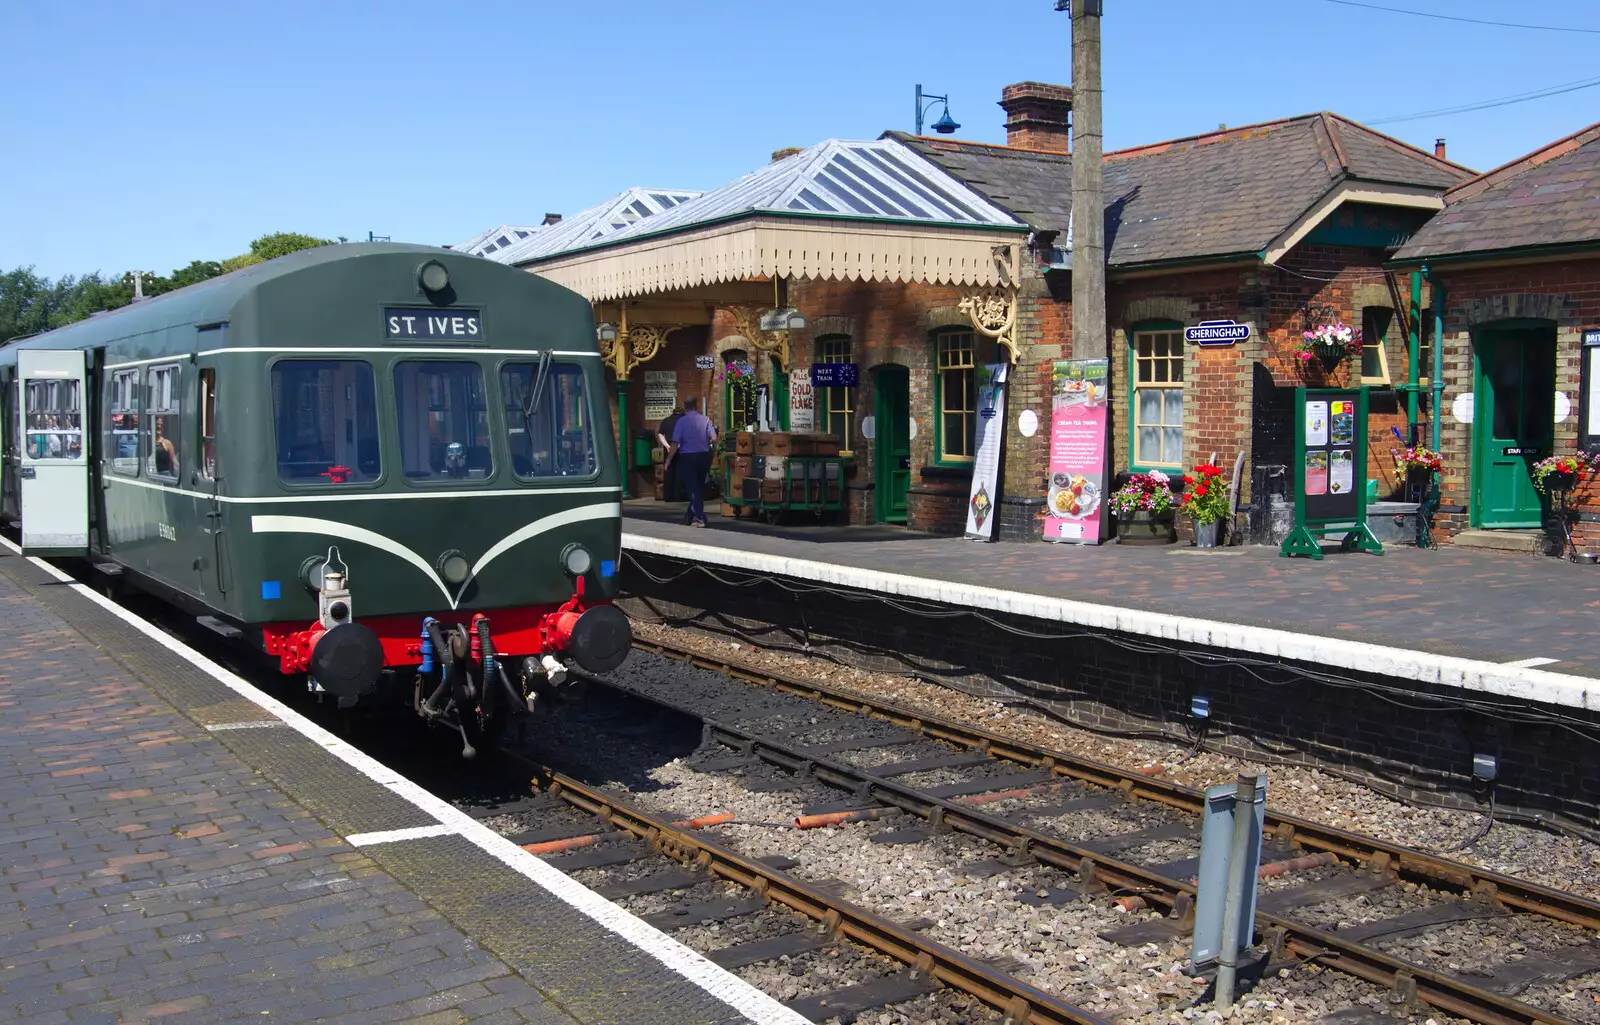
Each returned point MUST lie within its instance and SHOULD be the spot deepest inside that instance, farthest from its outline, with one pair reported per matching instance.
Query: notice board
(1330, 464)
(660, 393)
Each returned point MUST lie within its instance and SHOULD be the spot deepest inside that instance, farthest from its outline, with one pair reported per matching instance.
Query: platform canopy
(496, 240)
(840, 210)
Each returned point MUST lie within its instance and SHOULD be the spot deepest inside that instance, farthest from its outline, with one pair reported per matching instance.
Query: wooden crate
(744, 443)
(813, 445)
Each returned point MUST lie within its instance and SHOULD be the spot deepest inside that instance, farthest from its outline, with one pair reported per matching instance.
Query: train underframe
(472, 672)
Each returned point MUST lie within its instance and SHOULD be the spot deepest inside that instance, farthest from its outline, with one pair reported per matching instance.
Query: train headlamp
(433, 277)
(576, 560)
(454, 568)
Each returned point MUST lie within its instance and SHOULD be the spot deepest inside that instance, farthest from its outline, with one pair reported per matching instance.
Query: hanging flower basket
(1561, 473)
(1330, 344)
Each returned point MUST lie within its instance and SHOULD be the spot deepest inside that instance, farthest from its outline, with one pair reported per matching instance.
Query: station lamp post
(946, 124)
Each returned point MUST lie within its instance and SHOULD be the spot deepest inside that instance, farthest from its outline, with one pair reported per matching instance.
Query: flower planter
(1205, 534)
(1147, 528)
(1561, 481)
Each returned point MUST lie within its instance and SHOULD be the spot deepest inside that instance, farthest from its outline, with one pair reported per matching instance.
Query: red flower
(1200, 490)
(1209, 470)
(1188, 479)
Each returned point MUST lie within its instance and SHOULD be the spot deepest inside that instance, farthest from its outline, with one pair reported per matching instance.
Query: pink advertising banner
(1073, 503)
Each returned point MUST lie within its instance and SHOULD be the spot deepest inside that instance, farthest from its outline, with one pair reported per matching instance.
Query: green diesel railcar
(362, 458)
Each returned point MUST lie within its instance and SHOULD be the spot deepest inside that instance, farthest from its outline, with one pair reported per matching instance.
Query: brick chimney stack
(1438, 148)
(1038, 116)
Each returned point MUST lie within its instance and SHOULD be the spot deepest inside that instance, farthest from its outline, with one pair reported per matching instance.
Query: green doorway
(892, 445)
(1513, 421)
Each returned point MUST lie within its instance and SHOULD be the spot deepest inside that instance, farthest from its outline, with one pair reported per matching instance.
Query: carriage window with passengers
(550, 431)
(55, 419)
(123, 414)
(163, 409)
(444, 421)
(325, 420)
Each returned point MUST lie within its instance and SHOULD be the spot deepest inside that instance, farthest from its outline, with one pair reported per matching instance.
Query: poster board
(985, 495)
(1330, 471)
(1589, 391)
(660, 393)
(1075, 492)
(802, 402)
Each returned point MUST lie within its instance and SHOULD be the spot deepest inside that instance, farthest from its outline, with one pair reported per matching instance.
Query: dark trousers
(692, 469)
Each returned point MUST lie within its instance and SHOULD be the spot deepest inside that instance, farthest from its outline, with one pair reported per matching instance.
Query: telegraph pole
(1089, 339)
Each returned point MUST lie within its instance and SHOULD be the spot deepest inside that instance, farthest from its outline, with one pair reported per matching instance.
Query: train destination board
(434, 325)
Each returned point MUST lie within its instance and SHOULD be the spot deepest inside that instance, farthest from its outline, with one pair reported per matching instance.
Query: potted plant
(1330, 343)
(1561, 473)
(1205, 499)
(1143, 508)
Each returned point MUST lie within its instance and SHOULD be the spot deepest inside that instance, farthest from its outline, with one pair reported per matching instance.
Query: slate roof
(1551, 197)
(1225, 193)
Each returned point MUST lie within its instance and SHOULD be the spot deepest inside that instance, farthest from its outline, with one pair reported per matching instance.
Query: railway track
(1011, 794)
(681, 880)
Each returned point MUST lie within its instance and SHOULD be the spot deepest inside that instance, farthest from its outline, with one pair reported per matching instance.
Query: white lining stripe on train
(719, 983)
(361, 496)
(369, 350)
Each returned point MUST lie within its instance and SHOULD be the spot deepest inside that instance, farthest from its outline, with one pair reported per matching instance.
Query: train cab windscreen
(325, 415)
(551, 432)
(443, 420)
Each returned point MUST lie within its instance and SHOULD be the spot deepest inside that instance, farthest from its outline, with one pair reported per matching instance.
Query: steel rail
(1021, 1003)
(1411, 864)
(1444, 992)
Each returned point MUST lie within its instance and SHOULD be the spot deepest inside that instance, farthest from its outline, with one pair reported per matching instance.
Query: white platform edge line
(397, 835)
(718, 982)
(258, 724)
(1423, 667)
(1532, 663)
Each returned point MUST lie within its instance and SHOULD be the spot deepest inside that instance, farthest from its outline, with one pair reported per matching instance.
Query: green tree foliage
(30, 303)
(270, 247)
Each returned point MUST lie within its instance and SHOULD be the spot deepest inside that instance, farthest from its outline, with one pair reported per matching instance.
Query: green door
(892, 452)
(1513, 422)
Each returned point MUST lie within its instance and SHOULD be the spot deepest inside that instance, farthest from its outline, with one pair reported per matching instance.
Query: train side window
(208, 423)
(325, 420)
(557, 438)
(162, 406)
(444, 421)
(55, 419)
(122, 422)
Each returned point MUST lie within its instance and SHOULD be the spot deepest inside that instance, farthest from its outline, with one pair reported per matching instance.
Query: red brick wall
(1483, 295)
(1220, 402)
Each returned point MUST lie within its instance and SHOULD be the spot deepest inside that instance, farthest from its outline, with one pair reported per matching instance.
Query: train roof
(210, 301)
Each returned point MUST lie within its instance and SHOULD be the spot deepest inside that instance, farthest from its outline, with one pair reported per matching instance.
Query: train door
(10, 449)
(207, 477)
(97, 389)
(54, 464)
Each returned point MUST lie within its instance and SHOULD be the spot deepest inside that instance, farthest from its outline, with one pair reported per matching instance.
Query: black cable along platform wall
(1411, 741)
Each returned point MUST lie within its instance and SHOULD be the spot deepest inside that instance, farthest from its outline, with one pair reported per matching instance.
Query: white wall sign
(913, 428)
(1563, 406)
(869, 428)
(660, 393)
(1461, 408)
(1028, 423)
(802, 401)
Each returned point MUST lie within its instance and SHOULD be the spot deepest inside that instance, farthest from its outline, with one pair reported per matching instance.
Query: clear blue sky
(147, 135)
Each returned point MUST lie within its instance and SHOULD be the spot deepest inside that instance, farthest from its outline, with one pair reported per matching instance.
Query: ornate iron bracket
(993, 311)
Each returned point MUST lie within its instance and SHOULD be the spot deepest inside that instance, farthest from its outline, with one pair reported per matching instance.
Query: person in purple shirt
(692, 438)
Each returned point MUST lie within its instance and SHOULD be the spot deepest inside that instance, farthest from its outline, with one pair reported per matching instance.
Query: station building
(1515, 256)
(922, 259)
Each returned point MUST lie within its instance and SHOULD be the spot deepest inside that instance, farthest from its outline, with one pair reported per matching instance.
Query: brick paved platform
(1497, 609)
(167, 857)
